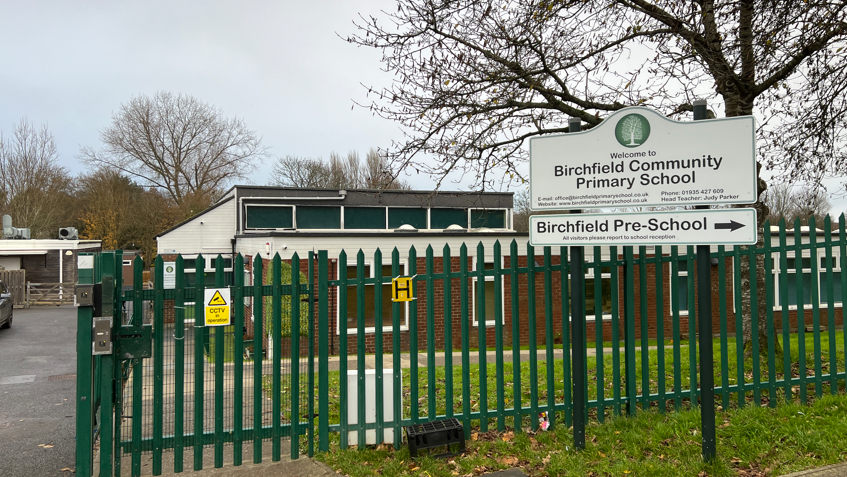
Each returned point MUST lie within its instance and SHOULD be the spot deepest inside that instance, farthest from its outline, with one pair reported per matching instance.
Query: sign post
(579, 360)
(704, 310)
(639, 158)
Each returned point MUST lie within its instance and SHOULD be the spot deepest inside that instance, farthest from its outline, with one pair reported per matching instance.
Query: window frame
(506, 217)
(206, 269)
(776, 273)
(672, 284)
(248, 228)
(404, 325)
(589, 275)
(473, 285)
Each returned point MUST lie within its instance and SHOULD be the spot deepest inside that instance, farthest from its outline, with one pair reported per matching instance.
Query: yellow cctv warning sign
(217, 307)
(401, 289)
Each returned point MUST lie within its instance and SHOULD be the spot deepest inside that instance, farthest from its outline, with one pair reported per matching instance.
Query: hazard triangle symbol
(217, 299)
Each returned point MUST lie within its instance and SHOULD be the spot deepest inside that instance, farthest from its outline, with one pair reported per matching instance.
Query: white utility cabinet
(370, 405)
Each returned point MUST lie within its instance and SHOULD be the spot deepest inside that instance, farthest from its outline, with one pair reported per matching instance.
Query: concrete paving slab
(835, 470)
(506, 473)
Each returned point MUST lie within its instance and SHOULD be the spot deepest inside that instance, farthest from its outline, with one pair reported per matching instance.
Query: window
(804, 281)
(371, 320)
(679, 284)
(269, 217)
(317, 217)
(364, 218)
(399, 216)
(493, 219)
(189, 269)
(443, 218)
(605, 292)
(489, 296)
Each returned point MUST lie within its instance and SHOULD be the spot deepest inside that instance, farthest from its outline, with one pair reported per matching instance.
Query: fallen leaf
(546, 460)
(66, 469)
(474, 436)
(510, 460)
(508, 436)
(602, 454)
(45, 446)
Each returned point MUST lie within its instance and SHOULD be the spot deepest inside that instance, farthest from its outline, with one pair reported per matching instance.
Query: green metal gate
(172, 394)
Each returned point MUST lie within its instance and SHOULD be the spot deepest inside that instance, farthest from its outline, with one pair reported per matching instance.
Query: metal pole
(704, 310)
(578, 331)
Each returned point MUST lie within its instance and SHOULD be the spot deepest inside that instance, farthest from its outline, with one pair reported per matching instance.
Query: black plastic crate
(445, 432)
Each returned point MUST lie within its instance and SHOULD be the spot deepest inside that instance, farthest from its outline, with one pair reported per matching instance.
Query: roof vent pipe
(8, 230)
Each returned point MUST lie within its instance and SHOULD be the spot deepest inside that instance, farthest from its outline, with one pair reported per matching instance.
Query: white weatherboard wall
(209, 233)
(286, 246)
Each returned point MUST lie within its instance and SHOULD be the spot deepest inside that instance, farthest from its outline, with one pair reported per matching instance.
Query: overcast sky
(281, 66)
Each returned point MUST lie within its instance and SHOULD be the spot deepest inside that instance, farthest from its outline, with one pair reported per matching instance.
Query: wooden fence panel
(16, 281)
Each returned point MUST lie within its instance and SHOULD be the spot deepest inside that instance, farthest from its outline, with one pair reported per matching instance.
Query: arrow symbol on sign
(732, 226)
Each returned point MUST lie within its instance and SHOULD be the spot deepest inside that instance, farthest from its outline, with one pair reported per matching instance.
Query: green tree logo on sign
(632, 130)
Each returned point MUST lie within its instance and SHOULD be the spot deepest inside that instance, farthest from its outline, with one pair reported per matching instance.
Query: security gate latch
(102, 336)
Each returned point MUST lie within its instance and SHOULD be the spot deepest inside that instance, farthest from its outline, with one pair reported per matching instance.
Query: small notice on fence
(401, 289)
(217, 307)
(169, 275)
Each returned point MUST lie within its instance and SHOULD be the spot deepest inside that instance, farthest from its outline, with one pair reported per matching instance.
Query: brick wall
(655, 315)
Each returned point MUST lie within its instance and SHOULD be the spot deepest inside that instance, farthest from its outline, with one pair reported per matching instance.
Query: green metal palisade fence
(482, 362)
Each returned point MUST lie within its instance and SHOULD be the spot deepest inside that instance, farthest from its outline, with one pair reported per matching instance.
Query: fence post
(704, 309)
(577, 331)
(323, 350)
(84, 374)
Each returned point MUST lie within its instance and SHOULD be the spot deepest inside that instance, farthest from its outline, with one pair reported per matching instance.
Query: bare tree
(792, 203)
(180, 144)
(779, 200)
(474, 80)
(339, 173)
(34, 188)
(378, 173)
(811, 201)
(293, 171)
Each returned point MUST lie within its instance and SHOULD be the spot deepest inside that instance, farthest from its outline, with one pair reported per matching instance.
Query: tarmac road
(37, 393)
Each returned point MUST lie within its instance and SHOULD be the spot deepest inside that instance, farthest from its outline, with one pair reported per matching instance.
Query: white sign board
(637, 157)
(169, 275)
(676, 227)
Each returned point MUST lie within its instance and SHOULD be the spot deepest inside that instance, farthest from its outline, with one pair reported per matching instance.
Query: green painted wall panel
(402, 216)
(269, 218)
(364, 218)
(316, 217)
(443, 218)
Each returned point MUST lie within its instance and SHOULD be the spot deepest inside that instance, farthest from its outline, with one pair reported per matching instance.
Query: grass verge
(752, 441)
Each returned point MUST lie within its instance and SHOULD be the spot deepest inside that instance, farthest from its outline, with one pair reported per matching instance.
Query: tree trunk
(761, 291)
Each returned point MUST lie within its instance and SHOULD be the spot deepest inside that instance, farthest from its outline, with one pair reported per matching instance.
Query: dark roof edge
(213, 207)
(393, 234)
(393, 191)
